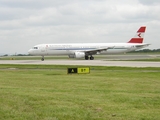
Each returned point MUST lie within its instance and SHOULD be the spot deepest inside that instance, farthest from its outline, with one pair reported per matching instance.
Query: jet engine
(77, 55)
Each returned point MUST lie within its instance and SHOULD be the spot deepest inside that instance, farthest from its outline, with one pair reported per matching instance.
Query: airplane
(87, 50)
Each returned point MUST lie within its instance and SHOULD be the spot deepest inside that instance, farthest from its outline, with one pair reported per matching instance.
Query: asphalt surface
(104, 60)
(84, 62)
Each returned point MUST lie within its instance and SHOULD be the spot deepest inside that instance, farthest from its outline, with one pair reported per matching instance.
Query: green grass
(32, 57)
(46, 92)
(46, 57)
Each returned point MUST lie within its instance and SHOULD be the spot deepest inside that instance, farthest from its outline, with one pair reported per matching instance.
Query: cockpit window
(35, 47)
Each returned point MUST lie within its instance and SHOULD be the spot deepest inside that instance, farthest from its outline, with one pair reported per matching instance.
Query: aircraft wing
(97, 51)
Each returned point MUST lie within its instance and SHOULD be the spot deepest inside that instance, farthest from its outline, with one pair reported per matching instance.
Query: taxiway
(84, 63)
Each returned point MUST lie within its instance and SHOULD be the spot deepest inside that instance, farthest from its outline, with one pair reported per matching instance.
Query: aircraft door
(44, 49)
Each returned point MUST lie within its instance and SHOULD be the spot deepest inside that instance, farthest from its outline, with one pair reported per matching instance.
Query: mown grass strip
(46, 92)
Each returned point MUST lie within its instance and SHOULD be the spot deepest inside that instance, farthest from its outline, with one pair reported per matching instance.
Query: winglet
(138, 38)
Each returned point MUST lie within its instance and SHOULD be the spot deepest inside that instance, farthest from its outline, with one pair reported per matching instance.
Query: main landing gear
(86, 58)
(91, 57)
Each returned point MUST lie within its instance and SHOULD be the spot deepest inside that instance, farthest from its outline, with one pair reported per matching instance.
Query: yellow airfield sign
(84, 70)
(80, 70)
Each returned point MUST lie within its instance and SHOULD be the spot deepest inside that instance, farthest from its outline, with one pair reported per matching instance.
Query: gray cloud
(149, 2)
(29, 22)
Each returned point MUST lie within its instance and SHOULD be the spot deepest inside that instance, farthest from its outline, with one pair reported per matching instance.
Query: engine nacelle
(77, 55)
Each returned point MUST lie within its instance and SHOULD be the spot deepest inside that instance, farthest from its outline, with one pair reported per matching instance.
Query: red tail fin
(139, 35)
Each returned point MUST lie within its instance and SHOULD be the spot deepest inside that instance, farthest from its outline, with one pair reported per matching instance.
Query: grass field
(32, 57)
(46, 92)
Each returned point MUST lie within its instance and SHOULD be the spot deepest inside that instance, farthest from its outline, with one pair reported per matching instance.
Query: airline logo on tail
(139, 35)
(138, 38)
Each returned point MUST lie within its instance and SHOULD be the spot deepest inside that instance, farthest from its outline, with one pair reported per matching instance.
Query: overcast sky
(25, 23)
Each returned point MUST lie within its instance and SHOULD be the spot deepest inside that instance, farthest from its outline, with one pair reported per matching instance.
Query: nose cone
(30, 51)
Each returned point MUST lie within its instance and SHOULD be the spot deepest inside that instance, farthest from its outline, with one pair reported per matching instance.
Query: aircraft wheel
(42, 58)
(86, 57)
(91, 58)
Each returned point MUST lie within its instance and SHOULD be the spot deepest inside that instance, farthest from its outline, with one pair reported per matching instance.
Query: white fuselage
(70, 49)
(87, 50)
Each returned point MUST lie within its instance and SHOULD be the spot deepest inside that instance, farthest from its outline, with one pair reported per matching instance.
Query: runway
(84, 63)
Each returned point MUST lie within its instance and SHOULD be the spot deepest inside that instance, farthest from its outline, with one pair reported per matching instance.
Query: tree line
(146, 51)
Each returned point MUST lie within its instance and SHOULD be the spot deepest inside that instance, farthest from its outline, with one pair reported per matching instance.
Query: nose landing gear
(42, 58)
